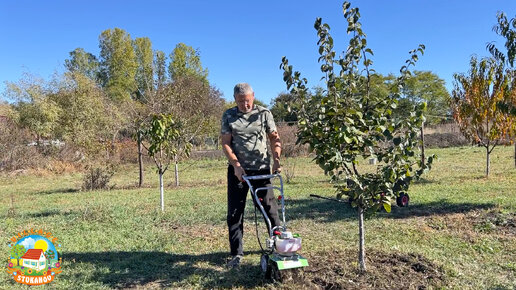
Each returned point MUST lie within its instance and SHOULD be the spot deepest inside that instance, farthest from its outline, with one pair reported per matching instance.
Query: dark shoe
(235, 262)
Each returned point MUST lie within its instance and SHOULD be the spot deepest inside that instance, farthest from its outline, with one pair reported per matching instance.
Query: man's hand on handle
(239, 171)
(226, 147)
(276, 167)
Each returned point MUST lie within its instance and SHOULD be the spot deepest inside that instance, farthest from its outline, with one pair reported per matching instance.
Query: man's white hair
(242, 89)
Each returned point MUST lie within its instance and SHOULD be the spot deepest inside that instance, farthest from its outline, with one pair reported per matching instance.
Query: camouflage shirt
(249, 135)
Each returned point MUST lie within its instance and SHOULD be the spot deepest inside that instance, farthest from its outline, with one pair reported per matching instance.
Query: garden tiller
(281, 246)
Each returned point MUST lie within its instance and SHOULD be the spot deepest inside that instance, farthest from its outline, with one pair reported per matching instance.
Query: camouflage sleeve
(224, 128)
(270, 126)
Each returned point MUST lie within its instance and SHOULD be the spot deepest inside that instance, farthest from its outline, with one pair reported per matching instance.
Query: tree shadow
(435, 208)
(331, 211)
(498, 287)
(47, 213)
(58, 190)
(42, 214)
(319, 210)
(130, 269)
(133, 186)
(423, 180)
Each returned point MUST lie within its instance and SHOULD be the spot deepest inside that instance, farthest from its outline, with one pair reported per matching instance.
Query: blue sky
(245, 40)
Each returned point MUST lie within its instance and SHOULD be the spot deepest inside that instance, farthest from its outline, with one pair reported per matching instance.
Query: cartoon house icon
(35, 259)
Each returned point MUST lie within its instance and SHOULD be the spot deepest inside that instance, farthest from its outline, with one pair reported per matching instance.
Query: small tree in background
(190, 98)
(425, 86)
(83, 62)
(345, 124)
(162, 134)
(419, 87)
(474, 104)
(34, 110)
(193, 102)
(284, 108)
(87, 117)
(507, 29)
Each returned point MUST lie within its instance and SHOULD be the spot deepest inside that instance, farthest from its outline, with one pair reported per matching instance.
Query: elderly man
(245, 130)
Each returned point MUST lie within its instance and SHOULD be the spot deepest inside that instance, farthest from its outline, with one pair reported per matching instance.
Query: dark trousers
(236, 205)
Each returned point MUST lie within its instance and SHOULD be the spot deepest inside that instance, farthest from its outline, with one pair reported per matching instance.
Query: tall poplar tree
(117, 64)
(160, 68)
(144, 71)
(83, 62)
(185, 61)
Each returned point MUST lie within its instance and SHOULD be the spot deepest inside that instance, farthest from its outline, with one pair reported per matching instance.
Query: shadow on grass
(58, 190)
(41, 214)
(423, 181)
(47, 213)
(331, 211)
(157, 269)
(441, 207)
(319, 210)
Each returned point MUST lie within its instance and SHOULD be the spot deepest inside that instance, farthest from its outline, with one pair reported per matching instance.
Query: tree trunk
(140, 159)
(161, 193)
(361, 235)
(423, 143)
(93, 186)
(176, 171)
(514, 154)
(487, 160)
(113, 145)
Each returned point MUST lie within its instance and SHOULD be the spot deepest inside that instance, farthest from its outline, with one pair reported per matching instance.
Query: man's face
(245, 102)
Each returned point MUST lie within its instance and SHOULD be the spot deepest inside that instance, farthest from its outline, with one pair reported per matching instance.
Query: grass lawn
(458, 232)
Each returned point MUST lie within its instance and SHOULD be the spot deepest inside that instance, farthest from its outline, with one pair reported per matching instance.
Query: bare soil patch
(339, 270)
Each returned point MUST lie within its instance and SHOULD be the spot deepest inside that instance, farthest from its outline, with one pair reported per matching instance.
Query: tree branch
(355, 169)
